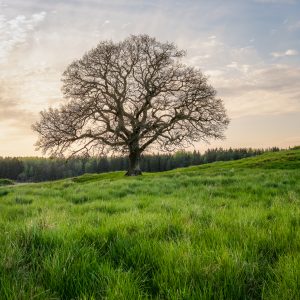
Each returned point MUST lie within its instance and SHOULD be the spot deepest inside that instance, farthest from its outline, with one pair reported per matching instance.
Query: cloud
(125, 25)
(24, 91)
(248, 85)
(16, 31)
(289, 52)
(262, 90)
(106, 22)
(276, 1)
(239, 67)
(10, 112)
(2, 4)
(295, 26)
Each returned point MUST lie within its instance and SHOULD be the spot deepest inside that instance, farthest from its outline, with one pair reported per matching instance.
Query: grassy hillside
(6, 182)
(218, 231)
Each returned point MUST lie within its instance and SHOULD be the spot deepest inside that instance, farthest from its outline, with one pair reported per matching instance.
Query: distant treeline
(33, 169)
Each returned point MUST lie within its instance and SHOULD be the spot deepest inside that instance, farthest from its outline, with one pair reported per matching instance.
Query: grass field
(226, 230)
(6, 182)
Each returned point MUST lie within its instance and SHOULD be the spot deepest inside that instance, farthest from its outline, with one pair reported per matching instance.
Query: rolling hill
(226, 230)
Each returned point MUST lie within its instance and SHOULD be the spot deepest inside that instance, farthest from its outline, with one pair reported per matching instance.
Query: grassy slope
(4, 181)
(227, 230)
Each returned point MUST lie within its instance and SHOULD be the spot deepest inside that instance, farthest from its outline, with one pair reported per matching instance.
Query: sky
(250, 49)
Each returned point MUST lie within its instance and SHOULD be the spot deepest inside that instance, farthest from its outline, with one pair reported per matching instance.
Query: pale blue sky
(249, 48)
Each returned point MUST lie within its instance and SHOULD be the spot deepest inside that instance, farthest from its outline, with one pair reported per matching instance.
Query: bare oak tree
(125, 97)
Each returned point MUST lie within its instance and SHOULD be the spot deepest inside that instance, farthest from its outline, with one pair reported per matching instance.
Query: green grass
(227, 230)
(4, 181)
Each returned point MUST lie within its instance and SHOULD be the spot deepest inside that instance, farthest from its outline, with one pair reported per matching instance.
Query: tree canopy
(128, 96)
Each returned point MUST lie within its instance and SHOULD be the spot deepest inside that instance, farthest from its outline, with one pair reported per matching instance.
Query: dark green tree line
(34, 169)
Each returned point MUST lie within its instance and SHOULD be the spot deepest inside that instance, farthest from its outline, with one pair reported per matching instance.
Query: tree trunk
(134, 164)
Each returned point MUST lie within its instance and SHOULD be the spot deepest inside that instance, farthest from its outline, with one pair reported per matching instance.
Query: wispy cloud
(2, 4)
(267, 90)
(10, 112)
(276, 1)
(15, 31)
(289, 52)
(249, 85)
(294, 26)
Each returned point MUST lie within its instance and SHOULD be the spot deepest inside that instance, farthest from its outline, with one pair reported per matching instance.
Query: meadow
(225, 230)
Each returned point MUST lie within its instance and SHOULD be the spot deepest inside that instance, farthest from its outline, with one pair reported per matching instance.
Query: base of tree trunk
(133, 173)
